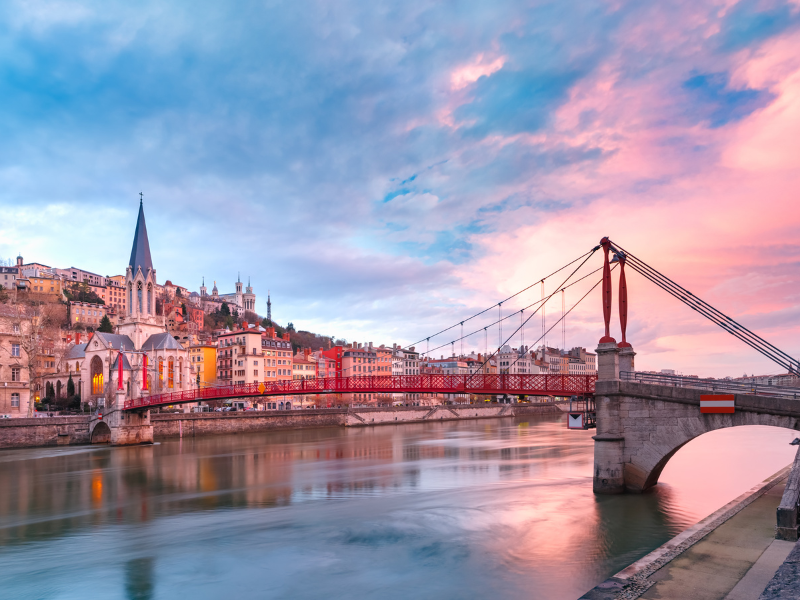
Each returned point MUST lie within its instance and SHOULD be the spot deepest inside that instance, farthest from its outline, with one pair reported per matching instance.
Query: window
(14, 349)
(15, 400)
(255, 363)
(15, 374)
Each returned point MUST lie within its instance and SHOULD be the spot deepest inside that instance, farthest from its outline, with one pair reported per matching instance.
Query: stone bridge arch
(645, 458)
(100, 432)
(640, 427)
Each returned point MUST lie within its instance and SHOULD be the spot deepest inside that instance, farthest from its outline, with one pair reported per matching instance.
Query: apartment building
(581, 362)
(514, 361)
(359, 361)
(86, 314)
(14, 378)
(240, 357)
(203, 361)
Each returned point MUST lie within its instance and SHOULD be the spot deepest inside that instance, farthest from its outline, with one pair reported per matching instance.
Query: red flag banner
(716, 403)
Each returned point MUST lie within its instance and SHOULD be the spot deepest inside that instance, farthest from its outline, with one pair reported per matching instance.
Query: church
(142, 337)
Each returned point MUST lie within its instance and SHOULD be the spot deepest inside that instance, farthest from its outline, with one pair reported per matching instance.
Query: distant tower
(214, 291)
(203, 288)
(269, 309)
(249, 297)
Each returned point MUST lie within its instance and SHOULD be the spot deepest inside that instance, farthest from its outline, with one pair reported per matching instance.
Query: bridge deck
(532, 385)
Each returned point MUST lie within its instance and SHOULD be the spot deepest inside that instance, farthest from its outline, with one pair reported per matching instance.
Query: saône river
(499, 508)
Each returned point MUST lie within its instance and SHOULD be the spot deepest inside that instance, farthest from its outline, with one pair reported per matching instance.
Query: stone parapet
(787, 527)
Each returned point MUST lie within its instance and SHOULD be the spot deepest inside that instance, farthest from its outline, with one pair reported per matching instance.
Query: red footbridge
(479, 384)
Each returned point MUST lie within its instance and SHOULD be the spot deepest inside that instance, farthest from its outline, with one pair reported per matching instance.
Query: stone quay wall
(194, 424)
(44, 431)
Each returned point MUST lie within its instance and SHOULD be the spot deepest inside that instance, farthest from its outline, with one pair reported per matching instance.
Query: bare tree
(38, 332)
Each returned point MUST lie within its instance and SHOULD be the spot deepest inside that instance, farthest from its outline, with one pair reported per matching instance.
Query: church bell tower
(141, 319)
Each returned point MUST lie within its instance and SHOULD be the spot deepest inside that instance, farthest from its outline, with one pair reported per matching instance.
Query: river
(499, 508)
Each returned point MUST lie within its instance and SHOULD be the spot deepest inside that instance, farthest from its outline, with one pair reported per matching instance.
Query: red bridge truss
(532, 385)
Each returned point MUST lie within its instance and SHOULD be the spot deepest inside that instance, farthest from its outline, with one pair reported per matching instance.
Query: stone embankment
(52, 431)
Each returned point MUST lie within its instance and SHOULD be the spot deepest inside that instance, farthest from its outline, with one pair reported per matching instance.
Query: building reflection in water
(139, 579)
(506, 501)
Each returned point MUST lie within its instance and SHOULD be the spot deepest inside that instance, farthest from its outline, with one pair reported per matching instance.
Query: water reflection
(139, 579)
(497, 508)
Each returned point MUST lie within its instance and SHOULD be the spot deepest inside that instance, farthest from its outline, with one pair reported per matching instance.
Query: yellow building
(203, 360)
(46, 286)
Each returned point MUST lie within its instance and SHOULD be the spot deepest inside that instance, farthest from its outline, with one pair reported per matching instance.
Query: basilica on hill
(141, 335)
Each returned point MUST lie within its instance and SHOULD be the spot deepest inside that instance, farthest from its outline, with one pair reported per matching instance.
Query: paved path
(734, 562)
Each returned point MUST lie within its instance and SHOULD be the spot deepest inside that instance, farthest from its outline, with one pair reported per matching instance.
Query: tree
(290, 326)
(70, 386)
(183, 308)
(80, 292)
(225, 310)
(3, 295)
(266, 323)
(105, 325)
(39, 336)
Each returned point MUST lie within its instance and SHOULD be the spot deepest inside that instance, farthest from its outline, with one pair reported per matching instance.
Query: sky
(387, 169)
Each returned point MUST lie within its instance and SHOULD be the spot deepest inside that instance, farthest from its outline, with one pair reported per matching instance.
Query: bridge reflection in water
(499, 508)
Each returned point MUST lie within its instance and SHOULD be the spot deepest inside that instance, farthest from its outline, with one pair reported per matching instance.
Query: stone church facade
(141, 337)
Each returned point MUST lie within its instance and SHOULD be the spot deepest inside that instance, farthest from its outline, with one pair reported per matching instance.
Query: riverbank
(61, 431)
(732, 554)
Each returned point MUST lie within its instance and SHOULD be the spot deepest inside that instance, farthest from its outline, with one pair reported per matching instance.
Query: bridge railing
(712, 385)
(543, 385)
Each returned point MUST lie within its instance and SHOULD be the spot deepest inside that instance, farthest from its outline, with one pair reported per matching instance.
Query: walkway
(733, 562)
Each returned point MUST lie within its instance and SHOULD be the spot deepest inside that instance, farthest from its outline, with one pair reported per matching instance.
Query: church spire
(140, 253)
(269, 309)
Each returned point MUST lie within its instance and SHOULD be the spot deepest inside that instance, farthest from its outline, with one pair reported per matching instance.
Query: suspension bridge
(640, 421)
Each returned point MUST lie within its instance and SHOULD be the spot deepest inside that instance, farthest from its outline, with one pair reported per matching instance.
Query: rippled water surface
(498, 508)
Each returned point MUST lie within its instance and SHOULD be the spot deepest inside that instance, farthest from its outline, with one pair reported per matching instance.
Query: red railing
(533, 385)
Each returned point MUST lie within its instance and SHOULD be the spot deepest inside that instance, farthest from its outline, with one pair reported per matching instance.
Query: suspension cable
(592, 251)
(543, 302)
(537, 302)
(700, 306)
(563, 316)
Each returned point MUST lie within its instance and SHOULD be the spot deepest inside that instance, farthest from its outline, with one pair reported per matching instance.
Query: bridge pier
(608, 476)
(120, 428)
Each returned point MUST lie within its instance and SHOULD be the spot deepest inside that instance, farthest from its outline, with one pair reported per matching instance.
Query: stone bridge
(641, 426)
(119, 427)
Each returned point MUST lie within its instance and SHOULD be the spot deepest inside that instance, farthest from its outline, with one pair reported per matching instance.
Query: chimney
(271, 332)
(306, 353)
(286, 336)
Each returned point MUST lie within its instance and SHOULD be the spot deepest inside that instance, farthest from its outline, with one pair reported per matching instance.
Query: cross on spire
(141, 198)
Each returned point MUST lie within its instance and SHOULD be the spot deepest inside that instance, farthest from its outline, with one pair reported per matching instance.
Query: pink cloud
(481, 66)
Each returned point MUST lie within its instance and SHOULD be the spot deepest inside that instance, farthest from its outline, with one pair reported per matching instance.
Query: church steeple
(140, 253)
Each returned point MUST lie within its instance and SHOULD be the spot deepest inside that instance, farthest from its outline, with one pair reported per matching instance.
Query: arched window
(139, 296)
(160, 373)
(58, 389)
(170, 373)
(149, 299)
(130, 298)
(180, 372)
(97, 376)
